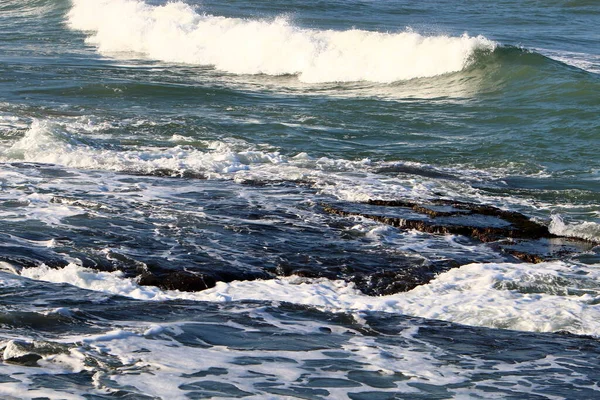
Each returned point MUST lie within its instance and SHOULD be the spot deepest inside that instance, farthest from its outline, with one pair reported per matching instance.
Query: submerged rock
(21, 353)
(260, 243)
(29, 353)
(509, 232)
(178, 280)
(485, 223)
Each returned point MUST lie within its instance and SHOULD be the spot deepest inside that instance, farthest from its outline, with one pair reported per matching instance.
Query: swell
(527, 76)
(30, 8)
(511, 63)
(512, 56)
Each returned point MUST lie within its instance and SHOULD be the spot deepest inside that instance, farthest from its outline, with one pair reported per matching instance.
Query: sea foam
(552, 297)
(177, 33)
(58, 143)
(583, 230)
(52, 143)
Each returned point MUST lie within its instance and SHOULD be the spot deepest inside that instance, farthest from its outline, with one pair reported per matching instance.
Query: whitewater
(175, 32)
(299, 200)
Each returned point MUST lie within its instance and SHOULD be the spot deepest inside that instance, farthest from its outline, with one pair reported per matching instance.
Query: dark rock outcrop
(287, 245)
(509, 232)
(178, 280)
(455, 220)
(29, 353)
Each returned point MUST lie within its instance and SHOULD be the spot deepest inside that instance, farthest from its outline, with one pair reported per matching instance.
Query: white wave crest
(582, 230)
(177, 33)
(585, 61)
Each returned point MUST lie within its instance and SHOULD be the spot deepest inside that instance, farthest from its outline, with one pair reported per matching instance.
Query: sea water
(199, 143)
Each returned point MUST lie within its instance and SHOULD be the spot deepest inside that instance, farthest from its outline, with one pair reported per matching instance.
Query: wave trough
(177, 33)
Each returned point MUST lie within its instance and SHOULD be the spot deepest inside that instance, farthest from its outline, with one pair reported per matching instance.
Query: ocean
(299, 199)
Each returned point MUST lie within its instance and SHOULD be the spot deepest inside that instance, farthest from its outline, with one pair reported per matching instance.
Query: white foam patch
(585, 61)
(546, 297)
(158, 364)
(10, 122)
(47, 142)
(176, 32)
(34, 206)
(106, 282)
(165, 364)
(57, 143)
(6, 281)
(583, 230)
(79, 144)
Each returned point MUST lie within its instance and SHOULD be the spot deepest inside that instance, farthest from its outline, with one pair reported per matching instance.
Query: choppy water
(147, 146)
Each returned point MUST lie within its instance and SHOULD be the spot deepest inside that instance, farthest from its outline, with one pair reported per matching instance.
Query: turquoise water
(166, 162)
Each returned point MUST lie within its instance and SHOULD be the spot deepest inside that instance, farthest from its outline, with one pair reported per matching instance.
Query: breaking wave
(583, 230)
(176, 32)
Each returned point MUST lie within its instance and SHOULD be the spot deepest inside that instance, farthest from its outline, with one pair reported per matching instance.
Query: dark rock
(375, 270)
(518, 225)
(27, 360)
(29, 353)
(510, 232)
(400, 278)
(171, 173)
(178, 280)
(529, 258)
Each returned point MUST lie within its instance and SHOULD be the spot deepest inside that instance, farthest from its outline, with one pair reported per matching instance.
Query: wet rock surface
(509, 232)
(29, 353)
(481, 222)
(513, 235)
(271, 230)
